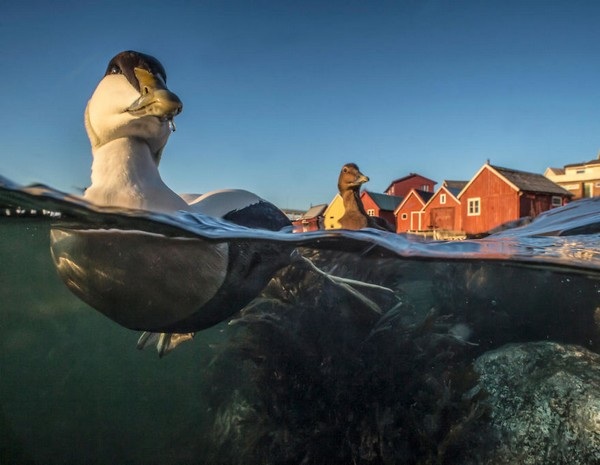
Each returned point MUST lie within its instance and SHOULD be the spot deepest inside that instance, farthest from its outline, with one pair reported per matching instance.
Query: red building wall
(499, 203)
(533, 204)
(370, 204)
(412, 204)
(447, 216)
(403, 187)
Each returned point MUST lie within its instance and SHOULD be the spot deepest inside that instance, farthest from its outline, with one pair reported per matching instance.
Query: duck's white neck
(124, 174)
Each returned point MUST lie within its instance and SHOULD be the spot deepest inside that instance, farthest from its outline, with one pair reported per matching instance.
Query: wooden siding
(404, 186)
(443, 216)
(412, 204)
(498, 203)
(532, 204)
(370, 204)
(333, 213)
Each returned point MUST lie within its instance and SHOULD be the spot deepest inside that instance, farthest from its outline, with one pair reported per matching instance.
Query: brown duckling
(355, 217)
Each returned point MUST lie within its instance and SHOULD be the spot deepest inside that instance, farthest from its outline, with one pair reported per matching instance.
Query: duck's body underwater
(147, 281)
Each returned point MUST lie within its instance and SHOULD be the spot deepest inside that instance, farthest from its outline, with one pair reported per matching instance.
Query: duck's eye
(114, 69)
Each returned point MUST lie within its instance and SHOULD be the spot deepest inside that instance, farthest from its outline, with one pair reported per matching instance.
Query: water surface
(309, 371)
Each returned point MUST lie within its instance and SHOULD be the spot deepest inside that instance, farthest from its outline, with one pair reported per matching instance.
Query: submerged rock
(543, 402)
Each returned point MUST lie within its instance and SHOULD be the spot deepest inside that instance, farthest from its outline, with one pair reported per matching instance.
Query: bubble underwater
(364, 347)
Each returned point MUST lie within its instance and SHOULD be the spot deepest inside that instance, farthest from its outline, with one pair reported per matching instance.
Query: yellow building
(334, 212)
(581, 179)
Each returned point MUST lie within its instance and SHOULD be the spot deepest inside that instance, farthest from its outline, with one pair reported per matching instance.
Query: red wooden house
(498, 195)
(442, 212)
(409, 214)
(402, 186)
(381, 205)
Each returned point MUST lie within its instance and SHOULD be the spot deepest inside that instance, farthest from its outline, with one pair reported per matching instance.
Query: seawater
(306, 373)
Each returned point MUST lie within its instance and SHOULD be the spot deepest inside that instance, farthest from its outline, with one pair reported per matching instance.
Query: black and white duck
(168, 286)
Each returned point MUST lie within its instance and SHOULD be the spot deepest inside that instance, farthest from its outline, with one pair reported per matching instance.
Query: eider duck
(355, 217)
(164, 285)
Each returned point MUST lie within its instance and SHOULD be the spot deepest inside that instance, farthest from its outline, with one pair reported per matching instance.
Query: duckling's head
(132, 101)
(351, 178)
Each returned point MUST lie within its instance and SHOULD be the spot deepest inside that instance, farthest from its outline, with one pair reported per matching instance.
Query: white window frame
(371, 212)
(474, 206)
(404, 216)
(556, 201)
(442, 199)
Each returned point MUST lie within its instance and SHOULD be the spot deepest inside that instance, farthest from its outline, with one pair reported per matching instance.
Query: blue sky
(278, 95)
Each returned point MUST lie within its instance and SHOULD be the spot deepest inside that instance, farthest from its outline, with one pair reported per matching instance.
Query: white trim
(491, 168)
(442, 199)
(476, 201)
(411, 192)
(418, 213)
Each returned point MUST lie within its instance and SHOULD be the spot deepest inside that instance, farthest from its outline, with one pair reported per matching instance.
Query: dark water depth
(456, 353)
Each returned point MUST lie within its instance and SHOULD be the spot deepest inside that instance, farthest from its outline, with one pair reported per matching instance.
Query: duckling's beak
(156, 99)
(361, 179)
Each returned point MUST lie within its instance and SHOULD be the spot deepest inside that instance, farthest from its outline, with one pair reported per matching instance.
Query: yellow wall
(334, 212)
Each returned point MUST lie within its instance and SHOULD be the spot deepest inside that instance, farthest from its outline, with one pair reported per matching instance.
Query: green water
(73, 388)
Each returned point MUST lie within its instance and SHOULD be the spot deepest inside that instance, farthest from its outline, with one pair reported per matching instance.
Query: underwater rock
(543, 402)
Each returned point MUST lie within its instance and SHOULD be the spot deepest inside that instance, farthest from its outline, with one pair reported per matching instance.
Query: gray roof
(454, 190)
(531, 182)
(314, 211)
(425, 195)
(453, 185)
(385, 201)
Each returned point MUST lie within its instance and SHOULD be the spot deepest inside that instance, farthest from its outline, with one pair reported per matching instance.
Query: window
(556, 201)
(425, 187)
(371, 212)
(580, 171)
(404, 216)
(442, 199)
(474, 206)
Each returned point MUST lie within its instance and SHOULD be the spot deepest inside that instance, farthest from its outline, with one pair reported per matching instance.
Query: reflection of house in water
(580, 179)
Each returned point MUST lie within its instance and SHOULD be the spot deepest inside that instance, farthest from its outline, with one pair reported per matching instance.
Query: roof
(454, 190)
(555, 171)
(314, 211)
(531, 182)
(411, 175)
(453, 185)
(385, 201)
(423, 196)
(595, 161)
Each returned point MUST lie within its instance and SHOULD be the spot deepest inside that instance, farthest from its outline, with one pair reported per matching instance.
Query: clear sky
(278, 95)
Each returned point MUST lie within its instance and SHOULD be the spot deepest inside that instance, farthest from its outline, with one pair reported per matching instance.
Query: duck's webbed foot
(165, 342)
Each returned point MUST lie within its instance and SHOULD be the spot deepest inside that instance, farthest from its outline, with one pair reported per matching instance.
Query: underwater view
(360, 347)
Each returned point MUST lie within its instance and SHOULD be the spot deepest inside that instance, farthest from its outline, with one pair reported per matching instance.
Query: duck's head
(351, 178)
(132, 100)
